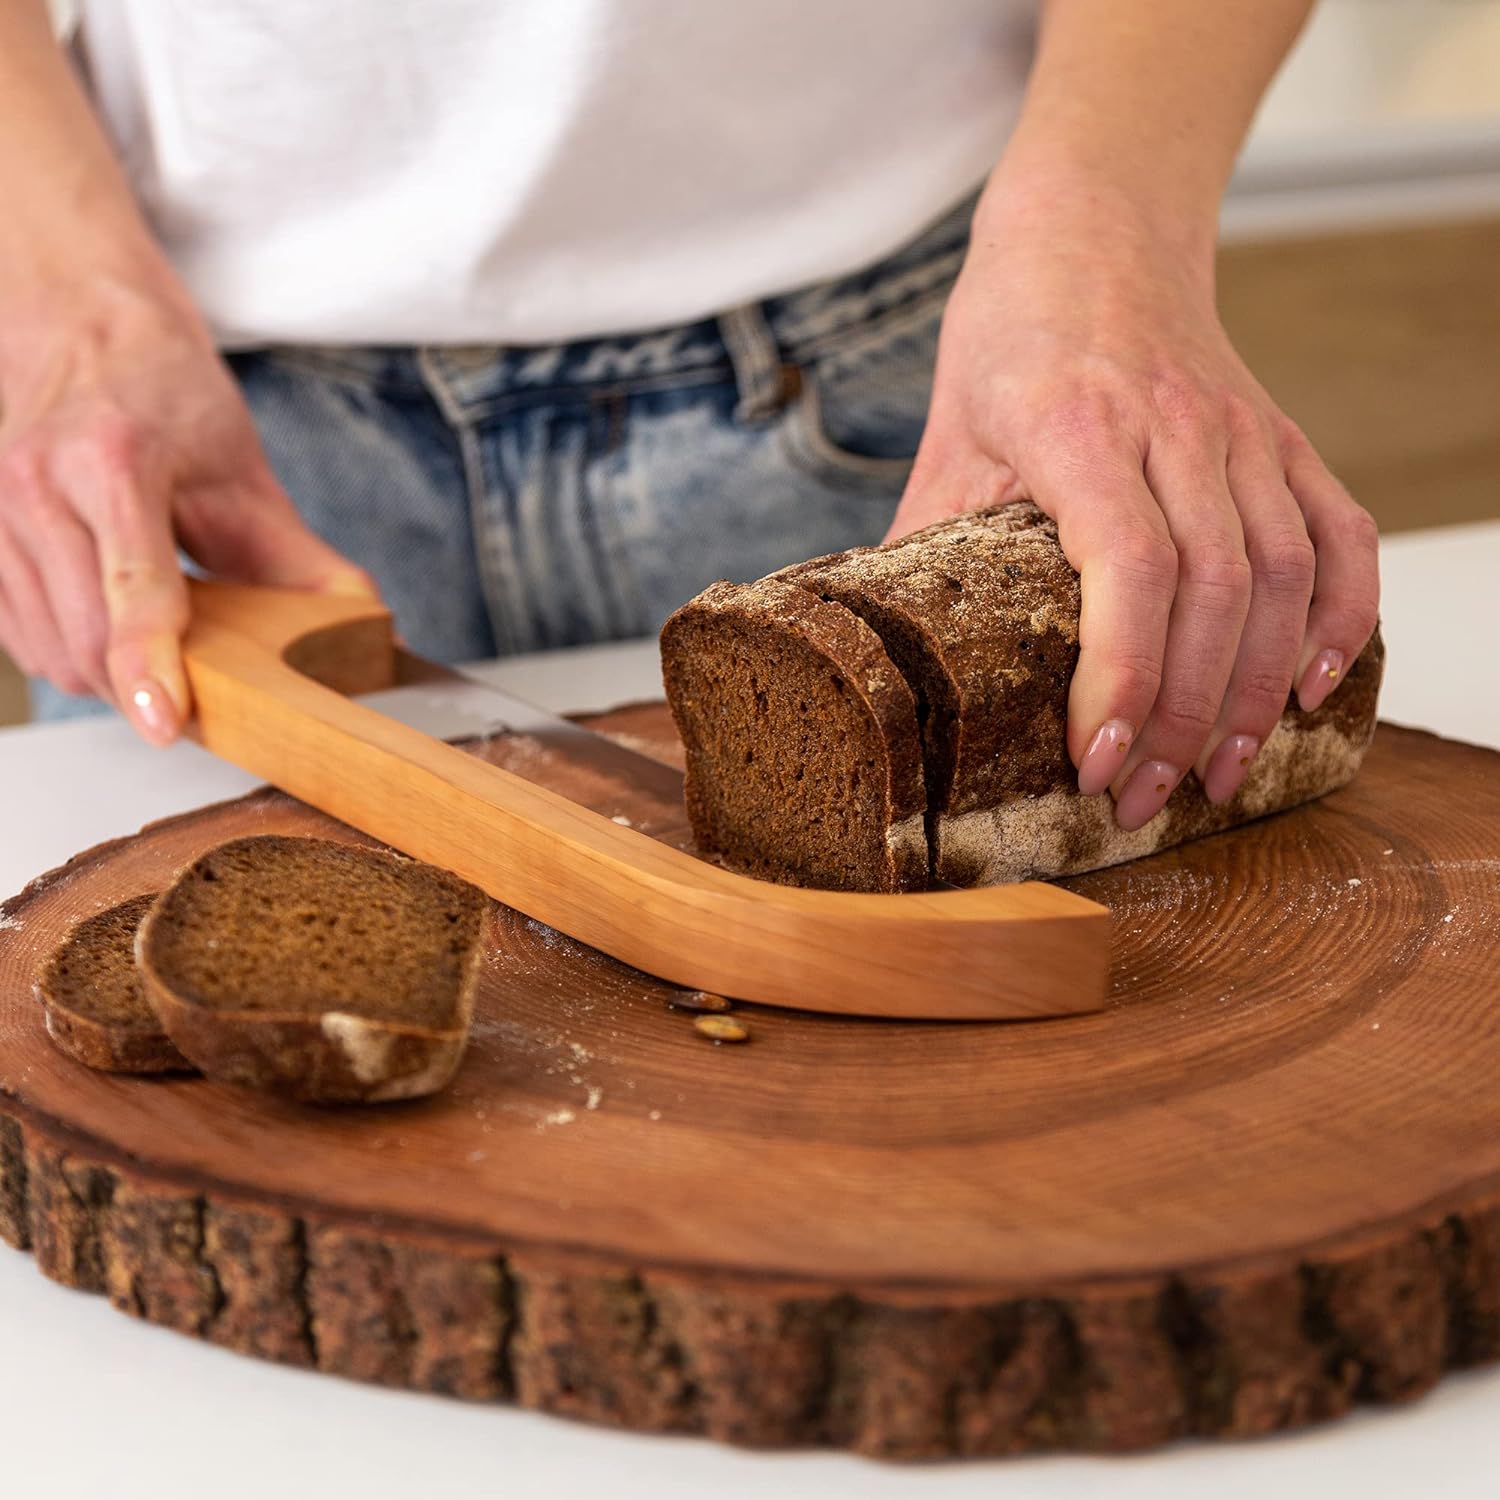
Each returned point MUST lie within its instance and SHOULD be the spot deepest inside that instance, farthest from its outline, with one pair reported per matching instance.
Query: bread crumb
(622, 820)
(595, 1095)
(1354, 880)
(557, 1117)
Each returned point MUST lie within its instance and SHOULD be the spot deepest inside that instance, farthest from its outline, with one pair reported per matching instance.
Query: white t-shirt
(530, 171)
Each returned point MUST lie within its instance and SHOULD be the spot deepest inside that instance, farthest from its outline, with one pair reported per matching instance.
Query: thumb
(251, 533)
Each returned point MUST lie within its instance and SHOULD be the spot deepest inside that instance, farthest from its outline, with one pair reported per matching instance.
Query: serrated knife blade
(452, 705)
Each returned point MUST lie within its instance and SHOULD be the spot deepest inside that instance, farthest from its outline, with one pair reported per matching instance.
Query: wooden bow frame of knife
(269, 671)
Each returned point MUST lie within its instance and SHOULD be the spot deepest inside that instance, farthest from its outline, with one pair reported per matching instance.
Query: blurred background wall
(1360, 273)
(1372, 62)
(1360, 270)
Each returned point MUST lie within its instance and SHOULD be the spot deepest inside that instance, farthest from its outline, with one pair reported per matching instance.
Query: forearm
(71, 235)
(1145, 103)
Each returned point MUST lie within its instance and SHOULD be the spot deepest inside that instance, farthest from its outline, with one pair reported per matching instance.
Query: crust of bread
(126, 1044)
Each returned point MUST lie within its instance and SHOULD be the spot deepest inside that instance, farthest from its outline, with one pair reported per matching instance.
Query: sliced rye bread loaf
(93, 1000)
(980, 615)
(804, 763)
(326, 972)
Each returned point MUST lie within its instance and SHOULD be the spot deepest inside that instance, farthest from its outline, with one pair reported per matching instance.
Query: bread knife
(449, 704)
(272, 672)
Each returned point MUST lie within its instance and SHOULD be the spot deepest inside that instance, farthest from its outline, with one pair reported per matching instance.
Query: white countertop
(95, 1404)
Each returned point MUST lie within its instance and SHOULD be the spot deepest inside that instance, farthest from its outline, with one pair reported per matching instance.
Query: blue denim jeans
(518, 499)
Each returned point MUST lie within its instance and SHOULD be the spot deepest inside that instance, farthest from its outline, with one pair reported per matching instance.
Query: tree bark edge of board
(1226, 1352)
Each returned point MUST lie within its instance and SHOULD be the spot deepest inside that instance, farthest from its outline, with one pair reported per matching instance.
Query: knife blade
(452, 705)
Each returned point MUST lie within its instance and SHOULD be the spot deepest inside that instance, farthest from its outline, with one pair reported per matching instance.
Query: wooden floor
(1384, 345)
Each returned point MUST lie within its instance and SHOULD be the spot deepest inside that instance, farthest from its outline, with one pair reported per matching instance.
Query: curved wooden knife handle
(268, 670)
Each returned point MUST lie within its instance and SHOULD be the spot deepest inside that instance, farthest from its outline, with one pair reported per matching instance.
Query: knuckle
(1290, 439)
(113, 442)
(1264, 689)
(1147, 560)
(1242, 416)
(127, 581)
(1180, 400)
(1185, 715)
(1220, 575)
(1082, 418)
(1135, 678)
(1357, 529)
(138, 592)
(1354, 621)
(1285, 565)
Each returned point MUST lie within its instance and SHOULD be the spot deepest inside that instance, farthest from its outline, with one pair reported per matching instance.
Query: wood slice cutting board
(1263, 1184)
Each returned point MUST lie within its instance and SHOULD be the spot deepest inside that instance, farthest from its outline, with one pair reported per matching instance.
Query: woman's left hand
(1082, 365)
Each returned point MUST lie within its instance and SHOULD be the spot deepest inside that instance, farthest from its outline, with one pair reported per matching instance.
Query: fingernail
(1229, 766)
(151, 707)
(1146, 794)
(1105, 755)
(1320, 679)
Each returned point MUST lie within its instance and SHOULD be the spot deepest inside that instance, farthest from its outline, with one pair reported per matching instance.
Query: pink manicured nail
(1105, 755)
(1146, 794)
(151, 707)
(1320, 679)
(1229, 766)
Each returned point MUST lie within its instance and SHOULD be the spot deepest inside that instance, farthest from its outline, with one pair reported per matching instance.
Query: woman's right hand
(122, 437)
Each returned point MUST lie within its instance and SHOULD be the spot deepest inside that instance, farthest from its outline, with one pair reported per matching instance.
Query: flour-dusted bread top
(803, 757)
(980, 613)
(327, 972)
(1063, 833)
(93, 999)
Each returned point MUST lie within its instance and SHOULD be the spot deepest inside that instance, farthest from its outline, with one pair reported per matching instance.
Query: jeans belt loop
(759, 375)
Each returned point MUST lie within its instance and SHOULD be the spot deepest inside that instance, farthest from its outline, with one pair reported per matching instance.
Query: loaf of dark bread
(322, 971)
(93, 1000)
(979, 615)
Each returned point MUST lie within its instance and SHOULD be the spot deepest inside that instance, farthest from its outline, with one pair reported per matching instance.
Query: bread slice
(322, 971)
(803, 756)
(95, 1005)
(979, 614)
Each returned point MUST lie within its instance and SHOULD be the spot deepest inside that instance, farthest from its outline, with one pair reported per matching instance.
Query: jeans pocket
(862, 404)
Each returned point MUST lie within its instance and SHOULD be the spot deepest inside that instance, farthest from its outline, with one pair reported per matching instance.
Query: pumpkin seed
(697, 1000)
(721, 1029)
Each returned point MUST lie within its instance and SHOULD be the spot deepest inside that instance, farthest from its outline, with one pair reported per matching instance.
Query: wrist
(1099, 202)
(126, 298)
